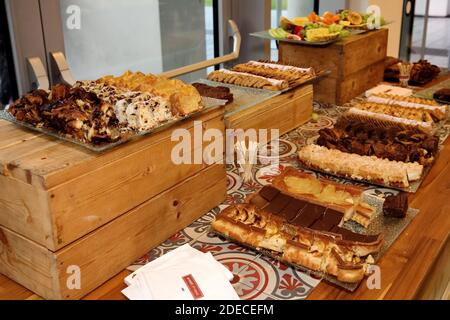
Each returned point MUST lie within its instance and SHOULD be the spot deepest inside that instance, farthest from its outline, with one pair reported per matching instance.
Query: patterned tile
(276, 280)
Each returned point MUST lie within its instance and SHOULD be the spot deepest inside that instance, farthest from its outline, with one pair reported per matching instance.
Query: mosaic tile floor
(257, 277)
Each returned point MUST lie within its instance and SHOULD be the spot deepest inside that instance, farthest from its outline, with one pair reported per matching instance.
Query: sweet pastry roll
(439, 112)
(382, 120)
(247, 80)
(396, 111)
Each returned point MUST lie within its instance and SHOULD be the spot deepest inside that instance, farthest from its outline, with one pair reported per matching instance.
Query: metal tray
(127, 137)
(413, 187)
(391, 228)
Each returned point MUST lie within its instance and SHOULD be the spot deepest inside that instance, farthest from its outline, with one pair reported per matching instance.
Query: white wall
(115, 36)
(438, 8)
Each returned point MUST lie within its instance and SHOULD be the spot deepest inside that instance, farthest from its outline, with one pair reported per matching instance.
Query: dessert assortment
(107, 110)
(74, 112)
(263, 75)
(300, 233)
(421, 72)
(386, 140)
(393, 143)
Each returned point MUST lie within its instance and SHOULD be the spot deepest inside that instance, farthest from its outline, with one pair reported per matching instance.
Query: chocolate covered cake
(396, 206)
(221, 93)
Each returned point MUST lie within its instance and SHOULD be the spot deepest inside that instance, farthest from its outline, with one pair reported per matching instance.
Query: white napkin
(182, 274)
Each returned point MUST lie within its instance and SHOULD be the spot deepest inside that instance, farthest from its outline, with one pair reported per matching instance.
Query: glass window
(431, 36)
(112, 36)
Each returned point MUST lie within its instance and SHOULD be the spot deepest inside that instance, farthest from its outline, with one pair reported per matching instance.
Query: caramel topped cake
(342, 198)
(301, 233)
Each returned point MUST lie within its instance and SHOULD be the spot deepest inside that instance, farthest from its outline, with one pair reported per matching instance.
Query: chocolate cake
(303, 214)
(221, 93)
(396, 206)
(386, 143)
(442, 95)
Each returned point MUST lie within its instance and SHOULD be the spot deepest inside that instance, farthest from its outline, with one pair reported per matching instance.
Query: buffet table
(415, 266)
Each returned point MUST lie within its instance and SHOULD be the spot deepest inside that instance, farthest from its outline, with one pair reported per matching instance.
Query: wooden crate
(284, 112)
(106, 251)
(62, 205)
(53, 192)
(356, 64)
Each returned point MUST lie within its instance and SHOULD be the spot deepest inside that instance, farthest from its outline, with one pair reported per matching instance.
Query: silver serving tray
(391, 228)
(127, 136)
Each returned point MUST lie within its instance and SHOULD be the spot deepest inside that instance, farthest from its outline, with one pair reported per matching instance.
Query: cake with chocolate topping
(396, 206)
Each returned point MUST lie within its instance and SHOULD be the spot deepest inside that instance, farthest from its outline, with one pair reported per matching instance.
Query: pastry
(183, 98)
(421, 72)
(70, 111)
(301, 233)
(247, 80)
(342, 198)
(135, 110)
(371, 169)
(436, 111)
(387, 143)
(275, 71)
(396, 111)
(221, 93)
(381, 120)
(396, 206)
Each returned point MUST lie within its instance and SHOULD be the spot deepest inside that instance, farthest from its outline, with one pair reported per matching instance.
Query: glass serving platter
(127, 136)
(266, 35)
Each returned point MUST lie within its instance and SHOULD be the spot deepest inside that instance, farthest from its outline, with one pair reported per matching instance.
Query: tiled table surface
(257, 277)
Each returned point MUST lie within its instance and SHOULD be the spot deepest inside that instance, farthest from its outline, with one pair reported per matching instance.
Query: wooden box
(356, 64)
(63, 206)
(284, 112)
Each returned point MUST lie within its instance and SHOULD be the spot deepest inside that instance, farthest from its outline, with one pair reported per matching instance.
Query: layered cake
(396, 205)
(301, 233)
(220, 92)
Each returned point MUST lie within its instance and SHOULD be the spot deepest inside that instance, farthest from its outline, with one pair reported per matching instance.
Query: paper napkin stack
(182, 274)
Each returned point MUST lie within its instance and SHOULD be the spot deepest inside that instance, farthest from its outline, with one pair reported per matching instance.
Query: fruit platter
(319, 30)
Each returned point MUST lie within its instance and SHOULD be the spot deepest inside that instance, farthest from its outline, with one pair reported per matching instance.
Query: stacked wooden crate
(67, 212)
(356, 64)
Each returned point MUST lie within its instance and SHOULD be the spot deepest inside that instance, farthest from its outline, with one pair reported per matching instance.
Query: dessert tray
(389, 227)
(125, 137)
